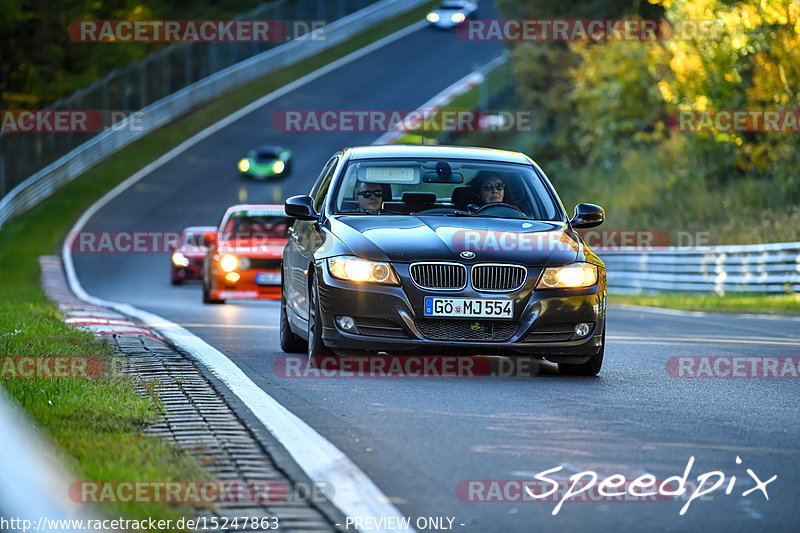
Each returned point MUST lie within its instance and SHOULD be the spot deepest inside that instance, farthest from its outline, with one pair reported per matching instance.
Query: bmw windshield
(444, 187)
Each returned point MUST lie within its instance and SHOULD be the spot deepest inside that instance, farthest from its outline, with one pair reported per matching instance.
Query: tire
(590, 367)
(207, 299)
(316, 348)
(175, 281)
(290, 343)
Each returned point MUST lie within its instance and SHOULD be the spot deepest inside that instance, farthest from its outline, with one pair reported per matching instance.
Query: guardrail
(763, 268)
(46, 181)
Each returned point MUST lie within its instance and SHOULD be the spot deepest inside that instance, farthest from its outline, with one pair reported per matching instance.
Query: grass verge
(785, 304)
(97, 423)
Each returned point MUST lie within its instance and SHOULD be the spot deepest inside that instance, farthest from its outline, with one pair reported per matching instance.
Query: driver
(243, 228)
(369, 197)
(490, 187)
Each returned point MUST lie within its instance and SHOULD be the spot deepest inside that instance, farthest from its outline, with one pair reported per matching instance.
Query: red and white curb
(79, 314)
(434, 104)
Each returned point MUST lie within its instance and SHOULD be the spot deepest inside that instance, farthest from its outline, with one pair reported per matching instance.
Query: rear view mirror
(587, 216)
(301, 207)
(209, 239)
(434, 177)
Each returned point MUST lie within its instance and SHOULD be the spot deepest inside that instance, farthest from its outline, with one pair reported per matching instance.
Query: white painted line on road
(681, 312)
(356, 494)
(706, 340)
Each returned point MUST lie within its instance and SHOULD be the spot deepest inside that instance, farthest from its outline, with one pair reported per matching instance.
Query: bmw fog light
(347, 323)
(582, 329)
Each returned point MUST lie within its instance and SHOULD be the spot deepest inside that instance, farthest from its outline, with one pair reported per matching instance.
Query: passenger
(369, 197)
(490, 187)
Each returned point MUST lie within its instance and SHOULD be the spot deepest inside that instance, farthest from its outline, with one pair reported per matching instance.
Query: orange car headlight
(228, 262)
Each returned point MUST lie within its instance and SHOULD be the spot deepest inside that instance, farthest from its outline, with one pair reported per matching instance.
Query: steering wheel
(491, 205)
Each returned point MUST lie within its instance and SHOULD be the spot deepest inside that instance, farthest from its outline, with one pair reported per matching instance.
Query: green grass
(787, 304)
(97, 423)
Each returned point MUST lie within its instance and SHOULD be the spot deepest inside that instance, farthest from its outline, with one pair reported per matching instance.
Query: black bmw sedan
(441, 250)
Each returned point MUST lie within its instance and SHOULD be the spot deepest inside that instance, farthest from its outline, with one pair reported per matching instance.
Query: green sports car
(266, 162)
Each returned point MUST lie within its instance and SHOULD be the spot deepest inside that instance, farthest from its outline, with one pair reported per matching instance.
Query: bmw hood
(406, 239)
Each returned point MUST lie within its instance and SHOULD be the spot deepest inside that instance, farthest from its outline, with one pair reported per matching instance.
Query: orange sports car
(245, 253)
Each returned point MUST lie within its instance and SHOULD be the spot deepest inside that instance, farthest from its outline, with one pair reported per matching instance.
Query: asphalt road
(419, 438)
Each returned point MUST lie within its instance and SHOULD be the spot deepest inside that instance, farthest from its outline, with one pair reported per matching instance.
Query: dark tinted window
(415, 185)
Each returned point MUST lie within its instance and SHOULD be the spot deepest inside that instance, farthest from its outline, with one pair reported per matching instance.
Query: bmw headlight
(228, 262)
(244, 165)
(571, 276)
(432, 17)
(458, 18)
(355, 269)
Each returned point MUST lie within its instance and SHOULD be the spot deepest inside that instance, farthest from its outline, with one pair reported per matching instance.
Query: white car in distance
(451, 13)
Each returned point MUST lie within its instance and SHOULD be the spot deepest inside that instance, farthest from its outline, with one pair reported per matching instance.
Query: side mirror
(587, 216)
(209, 239)
(301, 208)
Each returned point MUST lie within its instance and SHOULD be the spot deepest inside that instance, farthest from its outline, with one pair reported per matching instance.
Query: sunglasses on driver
(368, 194)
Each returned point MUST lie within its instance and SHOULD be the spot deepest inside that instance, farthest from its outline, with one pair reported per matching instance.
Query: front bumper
(192, 271)
(245, 288)
(390, 320)
(260, 175)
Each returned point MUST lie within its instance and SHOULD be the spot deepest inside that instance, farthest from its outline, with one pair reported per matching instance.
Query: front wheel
(207, 299)
(590, 367)
(316, 348)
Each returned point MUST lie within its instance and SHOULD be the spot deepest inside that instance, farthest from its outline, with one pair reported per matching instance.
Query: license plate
(268, 278)
(472, 308)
